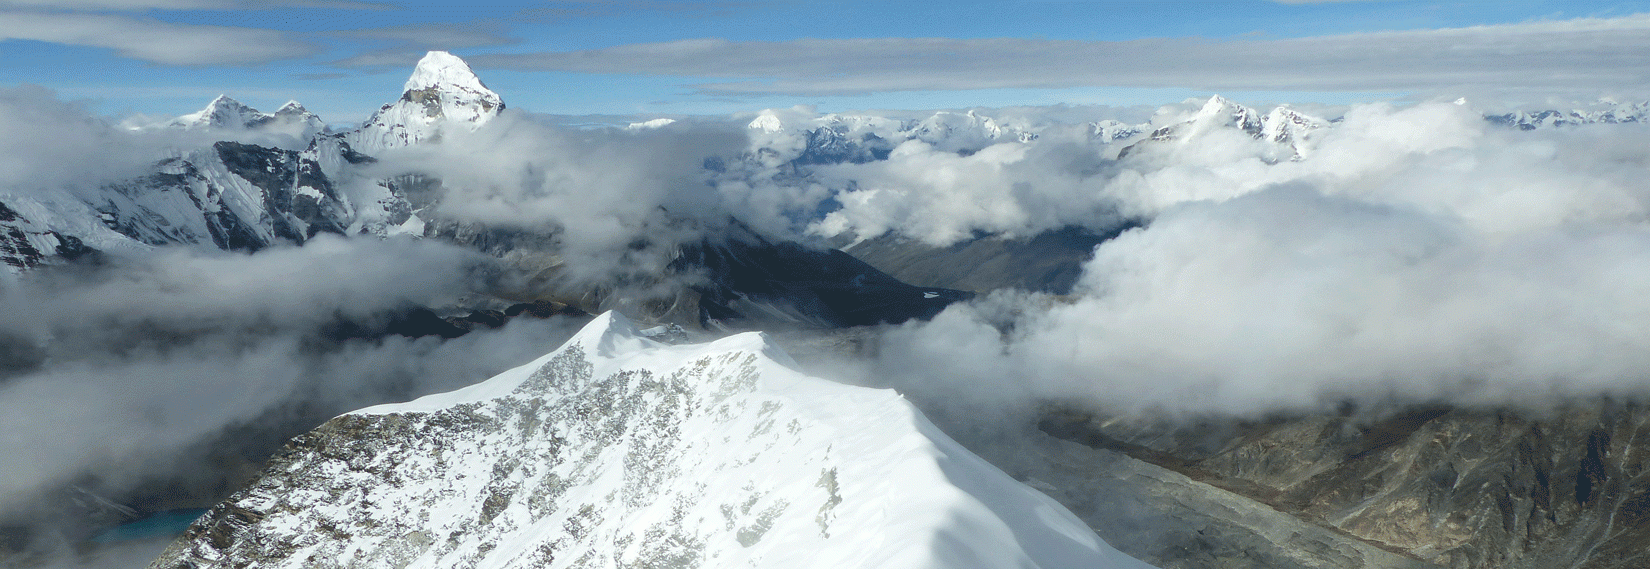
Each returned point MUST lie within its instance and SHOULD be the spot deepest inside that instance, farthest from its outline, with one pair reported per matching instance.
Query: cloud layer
(156, 41)
(150, 354)
(1580, 55)
(1418, 253)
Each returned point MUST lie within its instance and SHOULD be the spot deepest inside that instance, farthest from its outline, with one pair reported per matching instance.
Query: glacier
(616, 450)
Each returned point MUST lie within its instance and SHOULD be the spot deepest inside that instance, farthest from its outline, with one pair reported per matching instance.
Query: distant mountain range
(1604, 112)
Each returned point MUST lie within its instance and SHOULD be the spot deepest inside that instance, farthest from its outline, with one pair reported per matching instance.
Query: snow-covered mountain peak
(227, 114)
(1285, 125)
(441, 93)
(223, 103)
(1217, 104)
(618, 451)
(966, 132)
(1286, 128)
(222, 113)
(767, 122)
(1110, 130)
(1220, 111)
(439, 69)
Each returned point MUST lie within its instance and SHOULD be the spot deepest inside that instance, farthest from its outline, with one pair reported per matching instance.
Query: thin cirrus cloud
(409, 42)
(458, 34)
(155, 41)
(1588, 54)
(141, 5)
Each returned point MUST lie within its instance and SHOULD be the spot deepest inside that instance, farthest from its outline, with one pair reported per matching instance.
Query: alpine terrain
(1014, 272)
(619, 451)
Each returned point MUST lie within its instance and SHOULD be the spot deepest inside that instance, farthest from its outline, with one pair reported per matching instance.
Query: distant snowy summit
(442, 93)
(619, 451)
(1603, 112)
(792, 136)
(251, 190)
(1289, 130)
(226, 114)
(800, 138)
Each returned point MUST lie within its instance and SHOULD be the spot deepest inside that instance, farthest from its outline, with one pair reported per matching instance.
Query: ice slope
(618, 451)
(45, 225)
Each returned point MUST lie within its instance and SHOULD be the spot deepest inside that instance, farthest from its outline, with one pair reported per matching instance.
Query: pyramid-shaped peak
(767, 121)
(222, 112)
(292, 107)
(1218, 103)
(225, 102)
(442, 93)
(441, 69)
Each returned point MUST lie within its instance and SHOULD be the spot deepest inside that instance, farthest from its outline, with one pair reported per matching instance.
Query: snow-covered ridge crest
(227, 114)
(222, 112)
(616, 450)
(1288, 130)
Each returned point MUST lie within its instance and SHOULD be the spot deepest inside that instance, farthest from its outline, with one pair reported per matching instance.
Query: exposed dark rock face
(834, 145)
(1463, 488)
(15, 249)
(418, 322)
(1176, 521)
(751, 281)
(241, 197)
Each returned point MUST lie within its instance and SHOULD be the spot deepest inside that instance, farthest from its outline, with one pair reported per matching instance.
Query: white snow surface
(618, 451)
(442, 93)
(222, 112)
(439, 69)
(229, 116)
(1289, 133)
(652, 123)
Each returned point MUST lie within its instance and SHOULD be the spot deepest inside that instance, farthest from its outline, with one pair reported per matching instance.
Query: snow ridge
(618, 451)
(1289, 131)
(227, 114)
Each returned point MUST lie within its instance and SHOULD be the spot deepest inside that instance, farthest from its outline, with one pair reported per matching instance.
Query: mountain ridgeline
(619, 451)
(240, 196)
(633, 448)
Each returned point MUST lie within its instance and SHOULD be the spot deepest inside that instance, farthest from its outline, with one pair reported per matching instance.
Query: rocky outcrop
(1463, 488)
(1178, 521)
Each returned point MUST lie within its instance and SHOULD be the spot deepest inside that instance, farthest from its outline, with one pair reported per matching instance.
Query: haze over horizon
(1046, 233)
(668, 57)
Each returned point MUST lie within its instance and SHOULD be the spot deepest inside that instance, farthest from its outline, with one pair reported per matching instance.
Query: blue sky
(342, 58)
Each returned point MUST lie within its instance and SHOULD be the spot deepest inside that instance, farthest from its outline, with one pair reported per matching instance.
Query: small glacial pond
(163, 524)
